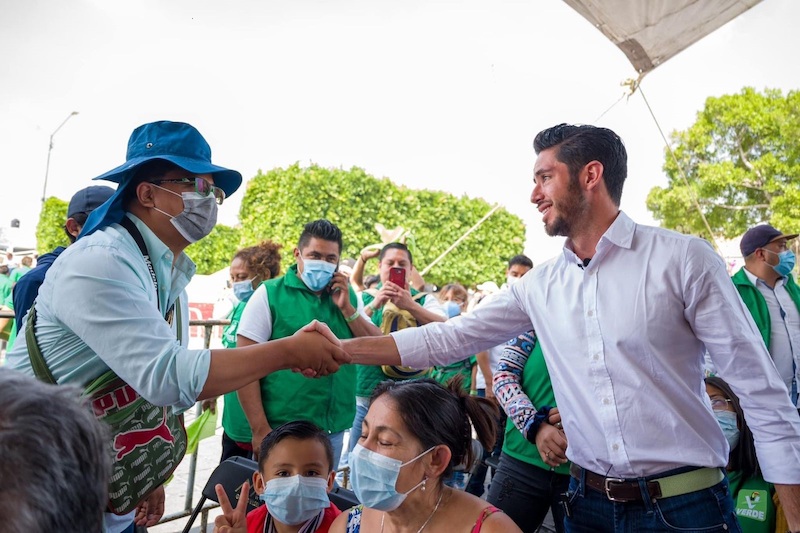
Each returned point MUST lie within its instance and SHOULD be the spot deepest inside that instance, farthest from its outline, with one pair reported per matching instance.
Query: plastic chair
(343, 498)
(231, 474)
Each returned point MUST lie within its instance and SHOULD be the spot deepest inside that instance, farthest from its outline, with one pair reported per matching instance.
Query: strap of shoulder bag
(38, 364)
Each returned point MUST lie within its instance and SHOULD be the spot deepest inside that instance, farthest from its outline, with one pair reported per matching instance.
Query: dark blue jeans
(526, 492)
(708, 510)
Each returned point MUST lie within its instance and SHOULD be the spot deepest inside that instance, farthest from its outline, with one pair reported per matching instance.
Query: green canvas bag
(147, 441)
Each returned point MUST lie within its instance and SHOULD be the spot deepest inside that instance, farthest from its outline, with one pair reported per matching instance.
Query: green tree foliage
(742, 161)
(50, 229)
(214, 252)
(277, 205)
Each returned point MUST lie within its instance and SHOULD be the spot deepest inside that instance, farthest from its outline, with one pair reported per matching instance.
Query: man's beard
(559, 226)
(570, 212)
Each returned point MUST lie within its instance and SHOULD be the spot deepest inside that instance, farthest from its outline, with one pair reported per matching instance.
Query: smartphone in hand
(398, 276)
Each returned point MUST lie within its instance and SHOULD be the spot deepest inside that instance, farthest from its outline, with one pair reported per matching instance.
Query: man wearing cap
(769, 291)
(80, 206)
(109, 300)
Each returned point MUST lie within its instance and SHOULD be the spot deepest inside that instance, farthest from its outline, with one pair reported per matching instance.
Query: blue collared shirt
(98, 309)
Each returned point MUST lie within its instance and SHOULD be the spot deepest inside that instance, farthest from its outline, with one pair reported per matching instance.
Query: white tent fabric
(651, 31)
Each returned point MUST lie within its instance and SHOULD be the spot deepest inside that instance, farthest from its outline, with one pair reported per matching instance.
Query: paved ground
(208, 454)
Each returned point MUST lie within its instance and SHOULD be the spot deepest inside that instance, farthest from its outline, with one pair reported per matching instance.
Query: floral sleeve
(507, 382)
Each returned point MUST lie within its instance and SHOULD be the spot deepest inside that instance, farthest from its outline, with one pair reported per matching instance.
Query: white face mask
(511, 280)
(199, 215)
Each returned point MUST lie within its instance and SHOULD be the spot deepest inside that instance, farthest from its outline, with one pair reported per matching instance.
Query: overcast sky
(431, 94)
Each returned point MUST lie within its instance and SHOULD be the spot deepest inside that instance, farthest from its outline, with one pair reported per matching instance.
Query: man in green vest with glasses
(311, 289)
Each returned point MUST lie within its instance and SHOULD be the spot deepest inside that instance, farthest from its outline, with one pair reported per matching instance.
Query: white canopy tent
(650, 32)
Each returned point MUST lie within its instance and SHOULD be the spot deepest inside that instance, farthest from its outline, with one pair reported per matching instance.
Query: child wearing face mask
(757, 508)
(293, 480)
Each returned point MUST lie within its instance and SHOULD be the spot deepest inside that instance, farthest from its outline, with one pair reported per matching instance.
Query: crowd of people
(582, 379)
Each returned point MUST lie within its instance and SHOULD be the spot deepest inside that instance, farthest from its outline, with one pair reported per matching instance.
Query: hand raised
(401, 297)
(340, 290)
(232, 520)
(368, 252)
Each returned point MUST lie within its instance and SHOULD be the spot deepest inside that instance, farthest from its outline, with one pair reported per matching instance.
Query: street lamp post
(50, 149)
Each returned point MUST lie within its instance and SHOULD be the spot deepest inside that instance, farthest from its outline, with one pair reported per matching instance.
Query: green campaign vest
(755, 302)
(752, 498)
(328, 401)
(233, 419)
(536, 384)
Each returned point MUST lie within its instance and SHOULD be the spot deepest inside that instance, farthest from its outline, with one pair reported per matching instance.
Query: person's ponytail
(482, 413)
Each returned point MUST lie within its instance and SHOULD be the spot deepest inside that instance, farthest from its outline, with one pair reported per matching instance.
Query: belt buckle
(606, 485)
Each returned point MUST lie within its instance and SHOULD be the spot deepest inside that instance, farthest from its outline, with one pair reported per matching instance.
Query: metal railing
(188, 507)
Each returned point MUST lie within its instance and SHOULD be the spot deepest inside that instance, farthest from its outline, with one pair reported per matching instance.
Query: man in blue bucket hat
(109, 300)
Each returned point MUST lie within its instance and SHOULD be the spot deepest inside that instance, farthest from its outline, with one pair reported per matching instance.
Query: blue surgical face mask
(374, 477)
(243, 289)
(297, 499)
(317, 273)
(453, 309)
(786, 262)
(727, 421)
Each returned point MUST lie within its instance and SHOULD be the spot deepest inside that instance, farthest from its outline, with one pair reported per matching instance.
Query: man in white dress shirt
(624, 315)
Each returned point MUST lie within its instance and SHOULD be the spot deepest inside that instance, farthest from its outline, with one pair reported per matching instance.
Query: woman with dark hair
(752, 496)
(249, 268)
(413, 435)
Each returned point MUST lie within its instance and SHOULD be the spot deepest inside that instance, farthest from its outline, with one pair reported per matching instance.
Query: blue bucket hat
(176, 142)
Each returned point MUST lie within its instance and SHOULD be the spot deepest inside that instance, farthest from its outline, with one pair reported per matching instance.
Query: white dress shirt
(624, 340)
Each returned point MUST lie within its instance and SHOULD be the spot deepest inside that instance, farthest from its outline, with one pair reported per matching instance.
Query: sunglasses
(201, 187)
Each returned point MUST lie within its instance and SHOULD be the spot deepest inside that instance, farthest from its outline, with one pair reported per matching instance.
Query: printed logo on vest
(752, 504)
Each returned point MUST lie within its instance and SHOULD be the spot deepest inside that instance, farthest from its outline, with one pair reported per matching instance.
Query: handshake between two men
(318, 352)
